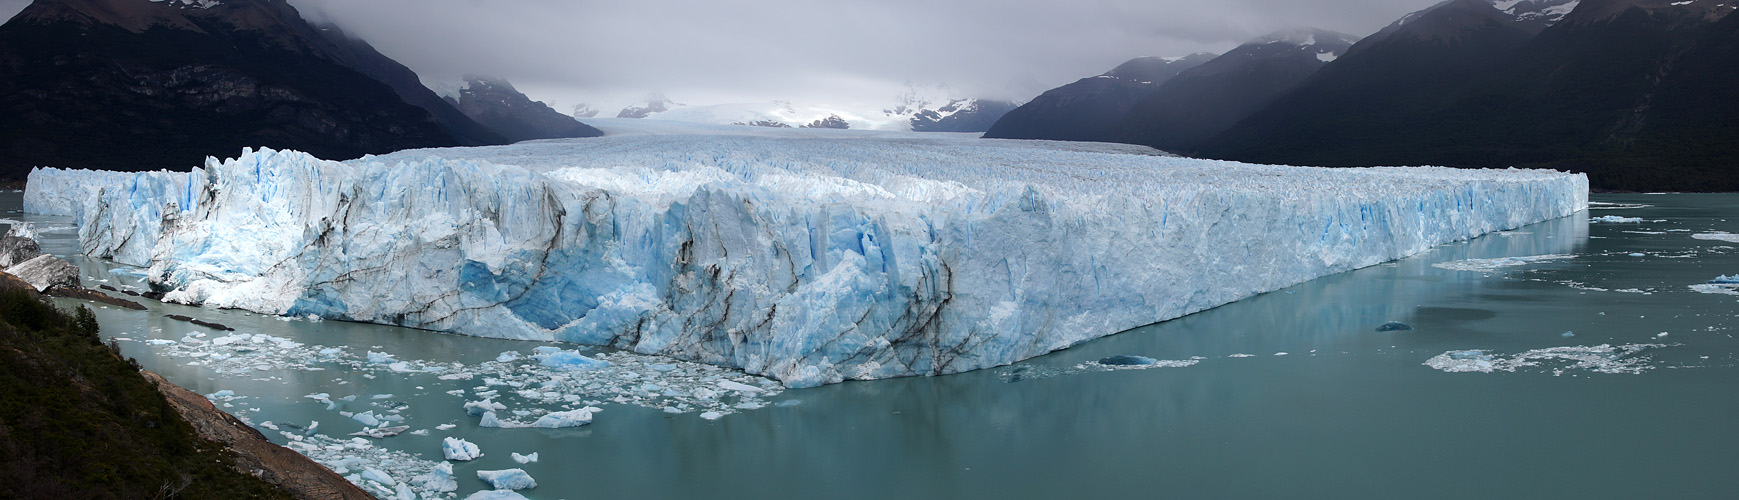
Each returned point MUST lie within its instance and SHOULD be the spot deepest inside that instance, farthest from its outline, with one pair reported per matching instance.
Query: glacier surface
(809, 256)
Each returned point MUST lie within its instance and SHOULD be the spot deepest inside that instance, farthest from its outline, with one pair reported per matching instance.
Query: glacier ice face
(807, 256)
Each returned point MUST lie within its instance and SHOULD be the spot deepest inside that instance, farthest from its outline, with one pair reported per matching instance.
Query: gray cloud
(843, 51)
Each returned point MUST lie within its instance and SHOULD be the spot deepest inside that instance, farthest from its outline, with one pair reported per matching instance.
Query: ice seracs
(809, 256)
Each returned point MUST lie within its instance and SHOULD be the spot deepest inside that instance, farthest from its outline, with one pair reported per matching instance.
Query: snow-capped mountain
(918, 108)
(1541, 13)
(653, 104)
(1205, 100)
(582, 110)
(937, 108)
(497, 105)
(1087, 109)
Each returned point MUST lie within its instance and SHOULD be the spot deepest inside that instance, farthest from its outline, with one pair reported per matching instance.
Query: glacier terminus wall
(809, 256)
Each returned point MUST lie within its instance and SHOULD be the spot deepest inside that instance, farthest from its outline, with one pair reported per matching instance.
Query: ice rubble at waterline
(807, 256)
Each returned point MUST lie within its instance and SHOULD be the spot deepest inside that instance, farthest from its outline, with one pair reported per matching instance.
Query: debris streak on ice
(1603, 358)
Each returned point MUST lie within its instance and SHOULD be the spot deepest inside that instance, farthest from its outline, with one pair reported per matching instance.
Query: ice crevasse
(807, 256)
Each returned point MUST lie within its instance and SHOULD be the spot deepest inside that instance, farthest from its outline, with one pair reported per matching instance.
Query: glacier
(808, 256)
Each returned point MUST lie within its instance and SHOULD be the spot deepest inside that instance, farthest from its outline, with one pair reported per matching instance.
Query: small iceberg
(507, 479)
(459, 449)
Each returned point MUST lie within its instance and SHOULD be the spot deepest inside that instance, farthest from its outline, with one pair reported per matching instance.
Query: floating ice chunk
(560, 419)
(788, 403)
(1611, 219)
(373, 474)
(1463, 361)
(1717, 236)
(711, 415)
(740, 387)
(380, 358)
(478, 408)
(525, 459)
(1637, 254)
(1492, 265)
(496, 495)
(1242, 355)
(226, 393)
(1568, 334)
(1602, 358)
(1725, 280)
(268, 425)
(1394, 326)
(313, 425)
(383, 432)
(443, 427)
(508, 356)
(367, 418)
(459, 449)
(507, 479)
(571, 361)
(440, 479)
(160, 342)
(490, 420)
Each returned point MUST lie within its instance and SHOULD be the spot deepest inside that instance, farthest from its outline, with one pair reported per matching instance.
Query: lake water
(1608, 372)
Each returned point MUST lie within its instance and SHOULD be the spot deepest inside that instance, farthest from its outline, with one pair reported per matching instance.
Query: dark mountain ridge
(497, 105)
(139, 85)
(1087, 109)
(1207, 99)
(1628, 91)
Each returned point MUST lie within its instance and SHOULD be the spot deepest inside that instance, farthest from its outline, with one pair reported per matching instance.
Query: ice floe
(1496, 264)
(1603, 358)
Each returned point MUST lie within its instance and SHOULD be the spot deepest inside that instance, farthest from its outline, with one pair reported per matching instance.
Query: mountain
(1536, 14)
(961, 115)
(1636, 93)
(653, 104)
(498, 106)
(358, 55)
(136, 85)
(1087, 109)
(1389, 92)
(1207, 99)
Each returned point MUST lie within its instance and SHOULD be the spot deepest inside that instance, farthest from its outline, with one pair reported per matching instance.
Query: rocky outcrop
(253, 453)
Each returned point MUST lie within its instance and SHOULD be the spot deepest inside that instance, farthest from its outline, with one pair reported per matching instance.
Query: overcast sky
(836, 52)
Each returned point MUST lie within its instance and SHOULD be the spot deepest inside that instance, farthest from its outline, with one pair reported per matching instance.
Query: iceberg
(495, 495)
(459, 449)
(438, 480)
(508, 479)
(810, 257)
(562, 419)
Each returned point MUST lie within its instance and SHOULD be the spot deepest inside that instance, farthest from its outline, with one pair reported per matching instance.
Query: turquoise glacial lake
(1584, 357)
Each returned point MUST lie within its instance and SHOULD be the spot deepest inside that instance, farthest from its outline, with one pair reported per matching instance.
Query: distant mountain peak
(1447, 22)
(1697, 10)
(1157, 69)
